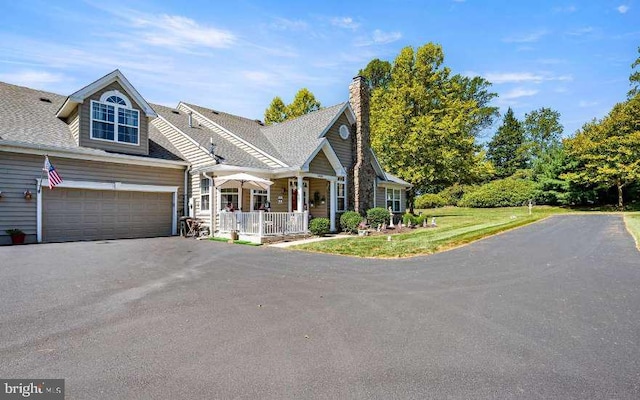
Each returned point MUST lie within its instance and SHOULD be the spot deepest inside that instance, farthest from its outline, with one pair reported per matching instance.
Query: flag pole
(41, 174)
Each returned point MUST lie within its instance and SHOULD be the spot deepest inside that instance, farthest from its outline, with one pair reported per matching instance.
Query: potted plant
(17, 236)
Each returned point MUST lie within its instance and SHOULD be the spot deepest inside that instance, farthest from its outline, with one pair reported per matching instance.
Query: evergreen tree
(507, 149)
(303, 103)
(277, 111)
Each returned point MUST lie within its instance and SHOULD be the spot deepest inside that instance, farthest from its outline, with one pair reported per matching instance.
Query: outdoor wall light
(27, 194)
(0, 194)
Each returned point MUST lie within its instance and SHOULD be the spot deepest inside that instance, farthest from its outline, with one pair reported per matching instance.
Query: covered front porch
(278, 210)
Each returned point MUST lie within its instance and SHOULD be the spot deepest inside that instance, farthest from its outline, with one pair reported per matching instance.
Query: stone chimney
(363, 173)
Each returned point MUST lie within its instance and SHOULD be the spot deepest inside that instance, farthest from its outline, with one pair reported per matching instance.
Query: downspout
(185, 205)
(211, 209)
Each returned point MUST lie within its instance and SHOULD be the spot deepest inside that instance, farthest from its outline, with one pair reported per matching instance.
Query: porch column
(240, 198)
(300, 195)
(332, 204)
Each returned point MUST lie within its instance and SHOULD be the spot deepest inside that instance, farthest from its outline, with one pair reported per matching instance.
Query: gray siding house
(131, 169)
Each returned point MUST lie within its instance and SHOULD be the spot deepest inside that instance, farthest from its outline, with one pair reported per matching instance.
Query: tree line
(425, 125)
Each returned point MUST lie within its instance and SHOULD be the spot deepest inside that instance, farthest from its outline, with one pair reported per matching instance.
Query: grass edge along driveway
(632, 221)
(456, 226)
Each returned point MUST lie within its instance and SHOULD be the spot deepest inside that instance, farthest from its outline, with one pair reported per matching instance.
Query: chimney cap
(359, 77)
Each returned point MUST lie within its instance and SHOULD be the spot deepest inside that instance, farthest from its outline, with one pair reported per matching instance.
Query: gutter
(211, 210)
(88, 155)
(185, 204)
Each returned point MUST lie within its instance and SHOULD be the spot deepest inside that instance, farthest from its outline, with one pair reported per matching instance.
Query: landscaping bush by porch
(320, 226)
(377, 216)
(349, 221)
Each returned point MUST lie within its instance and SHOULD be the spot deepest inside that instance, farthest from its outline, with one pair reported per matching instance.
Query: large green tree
(424, 122)
(507, 149)
(608, 150)
(303, 103)
(634, 78)
(377, 73)
(543, 130)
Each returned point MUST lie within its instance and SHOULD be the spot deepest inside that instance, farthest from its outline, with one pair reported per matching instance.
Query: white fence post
(261, 224)
(305, 221)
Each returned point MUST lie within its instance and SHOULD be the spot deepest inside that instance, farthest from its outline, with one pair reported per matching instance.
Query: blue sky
(235, 56)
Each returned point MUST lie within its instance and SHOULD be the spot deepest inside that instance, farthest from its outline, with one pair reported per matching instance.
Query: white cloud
(527, 37)
(585, 103)
(519, 77)
(622, 8)
(285, 24)
(517, 93)
(580, 31)
(345, 22)
(567, 9)
(31, 78)
(380, 37)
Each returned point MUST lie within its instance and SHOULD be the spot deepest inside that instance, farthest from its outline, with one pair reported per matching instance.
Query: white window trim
(115, 122)
(208, 194)
(393, 198)
(223, 200)
(255, 192)
(341, 204)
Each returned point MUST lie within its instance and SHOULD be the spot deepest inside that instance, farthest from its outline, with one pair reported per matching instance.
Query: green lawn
(456, 226)
(633, 224)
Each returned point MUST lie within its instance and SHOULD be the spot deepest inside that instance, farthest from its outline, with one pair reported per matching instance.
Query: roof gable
(115, 76)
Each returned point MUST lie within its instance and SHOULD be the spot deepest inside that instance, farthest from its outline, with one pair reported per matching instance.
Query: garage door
(82, 214)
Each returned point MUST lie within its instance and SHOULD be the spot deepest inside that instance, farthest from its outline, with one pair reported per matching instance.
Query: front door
(293, 194)
(294, 199)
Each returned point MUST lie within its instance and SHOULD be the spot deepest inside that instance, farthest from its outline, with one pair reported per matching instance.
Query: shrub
(320, 226)
(430, 200)
(508, 192)
(454, 193)
(377, 216)
(349, 221)
(420, 219)
(409, 218)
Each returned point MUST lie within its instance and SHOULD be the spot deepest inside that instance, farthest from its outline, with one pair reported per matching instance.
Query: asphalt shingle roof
(296, 139)
(248, 129)
(25, 118)
(201, 134)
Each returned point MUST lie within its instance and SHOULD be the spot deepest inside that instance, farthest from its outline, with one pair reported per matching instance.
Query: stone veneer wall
(363, 173)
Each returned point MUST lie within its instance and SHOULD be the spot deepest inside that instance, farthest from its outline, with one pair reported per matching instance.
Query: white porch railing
(263, 223)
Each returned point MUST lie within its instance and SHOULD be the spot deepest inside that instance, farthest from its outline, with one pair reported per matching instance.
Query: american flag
(52, 174)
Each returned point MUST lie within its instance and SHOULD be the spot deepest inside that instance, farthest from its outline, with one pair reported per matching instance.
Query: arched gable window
(114, 119)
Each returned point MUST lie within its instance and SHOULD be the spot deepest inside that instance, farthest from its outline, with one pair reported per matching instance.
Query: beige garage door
(81, 214)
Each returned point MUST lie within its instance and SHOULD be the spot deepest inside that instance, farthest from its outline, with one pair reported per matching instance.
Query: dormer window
(113, 119)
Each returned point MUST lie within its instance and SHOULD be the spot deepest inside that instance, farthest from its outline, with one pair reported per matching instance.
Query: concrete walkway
(305, 241)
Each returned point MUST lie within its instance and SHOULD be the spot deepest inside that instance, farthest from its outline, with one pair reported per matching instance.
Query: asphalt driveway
(551, 310)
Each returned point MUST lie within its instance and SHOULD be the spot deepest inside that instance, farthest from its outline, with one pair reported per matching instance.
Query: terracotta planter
(18, 239)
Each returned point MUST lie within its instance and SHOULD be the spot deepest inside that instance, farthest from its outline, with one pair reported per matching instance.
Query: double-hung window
(341, 187)
(393, 199)
(113, 119)
(259, 199)
(205, 194)
(229, 195)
